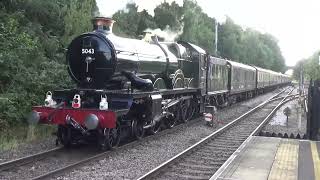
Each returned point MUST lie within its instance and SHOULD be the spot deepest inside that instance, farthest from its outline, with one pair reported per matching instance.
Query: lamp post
(216, 38)
(301, 81)
(216, 20)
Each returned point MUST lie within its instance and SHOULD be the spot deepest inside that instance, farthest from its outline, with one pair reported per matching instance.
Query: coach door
(202, 72)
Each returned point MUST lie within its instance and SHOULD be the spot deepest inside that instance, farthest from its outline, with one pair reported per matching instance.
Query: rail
(76, 164)
(28, 159)
(255, 132)
(153, 172)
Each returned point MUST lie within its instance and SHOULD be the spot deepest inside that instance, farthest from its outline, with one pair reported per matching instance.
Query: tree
(298, 68)
(230, 41)
(145, 21)
(246, 46)
(127, 21)
(169, 15)
(77, 19)
(33, 34)
(312, 67)
(198, 26)
(250, 47)
(274, 55)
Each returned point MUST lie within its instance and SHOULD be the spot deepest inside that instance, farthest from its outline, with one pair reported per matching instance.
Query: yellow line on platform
(285, 165)
(316, 160)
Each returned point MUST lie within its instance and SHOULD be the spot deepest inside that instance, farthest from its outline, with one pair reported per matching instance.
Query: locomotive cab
(197, 67)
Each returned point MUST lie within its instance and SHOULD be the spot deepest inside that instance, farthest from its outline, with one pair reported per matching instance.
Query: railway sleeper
(196, 166)
(192, 171)
(175, 175)
(205, 162)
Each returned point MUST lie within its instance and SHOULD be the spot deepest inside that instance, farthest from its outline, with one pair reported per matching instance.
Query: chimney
(103, 24)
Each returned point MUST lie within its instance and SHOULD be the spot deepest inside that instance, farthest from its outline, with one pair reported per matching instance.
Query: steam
(167, 34)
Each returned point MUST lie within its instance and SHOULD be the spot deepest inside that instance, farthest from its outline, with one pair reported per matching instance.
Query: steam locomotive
(136, 86)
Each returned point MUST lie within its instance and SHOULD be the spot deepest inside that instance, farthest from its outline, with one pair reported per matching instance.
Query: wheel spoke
(110, 138)
(184, 111)
(137, 129)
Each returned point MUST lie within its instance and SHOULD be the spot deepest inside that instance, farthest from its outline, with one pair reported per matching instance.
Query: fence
(313, 115)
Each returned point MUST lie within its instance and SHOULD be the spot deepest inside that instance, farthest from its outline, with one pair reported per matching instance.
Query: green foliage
(309, 66)
(246, 46)
(198, 26)
(312, 67)
(131, 23)
(77, 18)
(127, 21)
(168, 15)
(28, 87)
(249, 46)
(230, 42)
(13, 137)
(47, 14)
(297, 69)
(33, 35)
(145, 21)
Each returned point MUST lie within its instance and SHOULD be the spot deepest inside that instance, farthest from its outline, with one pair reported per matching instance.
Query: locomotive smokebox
(103, 24)
(91, 56)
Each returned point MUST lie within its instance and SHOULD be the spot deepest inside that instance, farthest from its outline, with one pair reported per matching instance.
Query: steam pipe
(156, 41)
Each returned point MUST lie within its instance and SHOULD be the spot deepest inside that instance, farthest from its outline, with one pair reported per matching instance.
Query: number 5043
(87, 51)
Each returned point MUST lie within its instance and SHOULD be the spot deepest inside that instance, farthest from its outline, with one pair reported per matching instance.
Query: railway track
(20, 168)
(45, 163)
(28, 159)
(203, 159)
(38, 166)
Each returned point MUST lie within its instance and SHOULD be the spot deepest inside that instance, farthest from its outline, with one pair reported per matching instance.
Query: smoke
(167, 34)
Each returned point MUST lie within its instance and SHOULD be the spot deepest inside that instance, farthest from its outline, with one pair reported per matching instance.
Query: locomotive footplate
(65, 93)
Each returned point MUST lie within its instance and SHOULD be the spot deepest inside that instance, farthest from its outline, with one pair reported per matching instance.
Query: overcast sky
(295, 23)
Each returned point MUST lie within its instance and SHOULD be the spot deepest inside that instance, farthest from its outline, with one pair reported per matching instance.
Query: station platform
(270, 158)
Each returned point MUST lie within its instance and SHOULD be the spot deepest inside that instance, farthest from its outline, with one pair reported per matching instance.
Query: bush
(26, 73)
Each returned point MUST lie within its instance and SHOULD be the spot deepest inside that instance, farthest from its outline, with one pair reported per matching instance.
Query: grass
(11, 138)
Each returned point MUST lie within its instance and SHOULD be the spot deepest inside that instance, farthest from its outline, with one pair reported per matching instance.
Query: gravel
(52, 162)
(133, 162)
(279, 124)
(27, 149)
(218, 149)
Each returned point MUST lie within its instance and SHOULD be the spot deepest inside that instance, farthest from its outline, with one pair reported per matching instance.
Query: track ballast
(202, 160)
